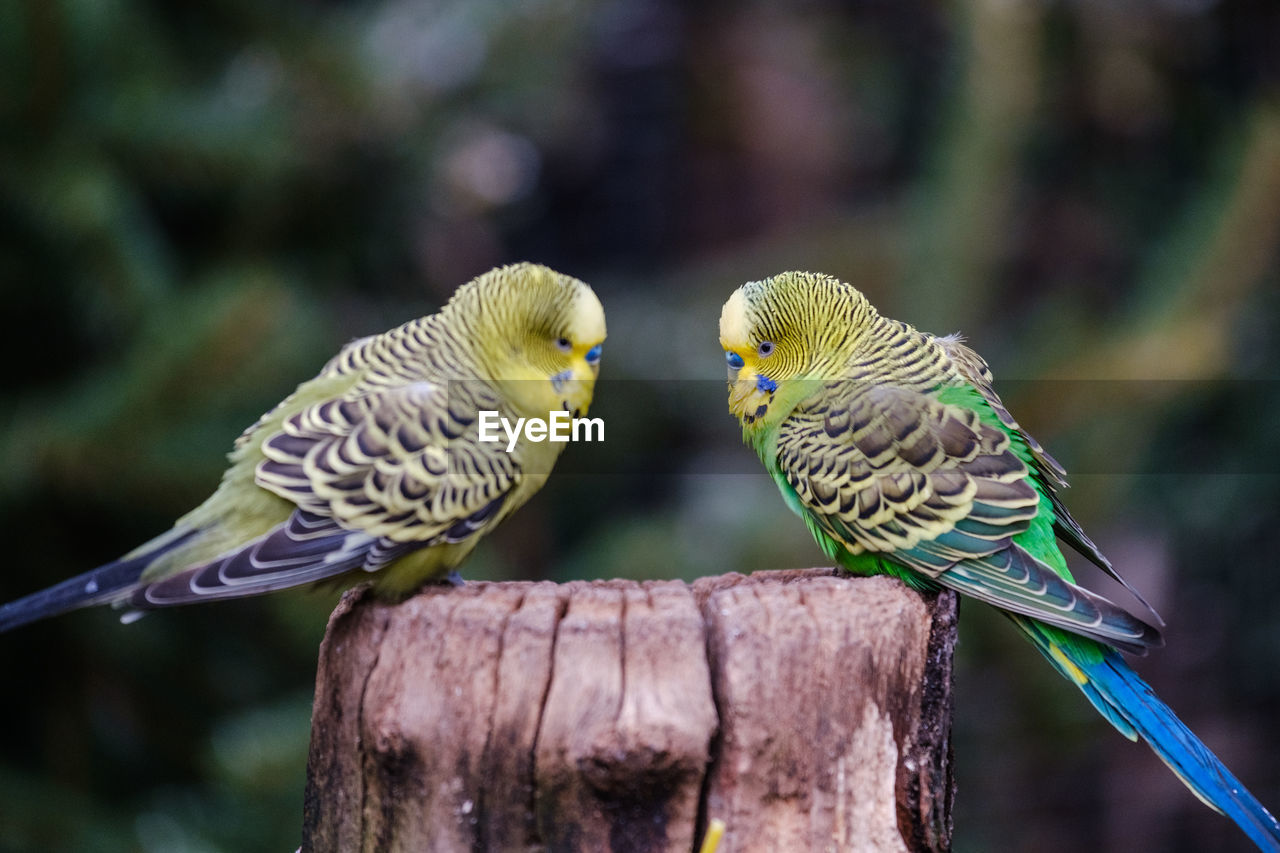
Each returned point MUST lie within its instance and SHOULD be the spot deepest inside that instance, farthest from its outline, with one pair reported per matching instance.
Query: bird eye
(734, 360)
(765, 349)
(563, 344)
(593, 354)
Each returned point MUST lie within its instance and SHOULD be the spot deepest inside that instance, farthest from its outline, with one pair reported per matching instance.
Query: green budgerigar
(377, 467)
(893, 447)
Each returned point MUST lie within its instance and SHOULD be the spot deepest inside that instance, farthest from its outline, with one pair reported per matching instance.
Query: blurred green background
(198, 205)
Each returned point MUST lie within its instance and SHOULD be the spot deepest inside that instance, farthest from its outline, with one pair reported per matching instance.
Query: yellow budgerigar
(377, 467)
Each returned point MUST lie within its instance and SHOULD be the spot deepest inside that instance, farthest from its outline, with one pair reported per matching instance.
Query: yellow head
(793, 326)
(537, 333)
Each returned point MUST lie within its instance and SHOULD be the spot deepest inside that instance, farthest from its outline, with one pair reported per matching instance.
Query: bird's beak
(576, 386)
(750, 395)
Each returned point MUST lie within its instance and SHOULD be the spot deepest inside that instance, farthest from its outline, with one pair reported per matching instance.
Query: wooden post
(806, 711)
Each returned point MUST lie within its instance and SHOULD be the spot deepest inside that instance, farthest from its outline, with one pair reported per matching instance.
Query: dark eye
(734, 360)
(593, 354)
(765, 349)
(563, 344)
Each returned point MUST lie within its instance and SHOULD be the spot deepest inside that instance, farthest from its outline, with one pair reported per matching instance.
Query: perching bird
(893, 447)
(374, 468)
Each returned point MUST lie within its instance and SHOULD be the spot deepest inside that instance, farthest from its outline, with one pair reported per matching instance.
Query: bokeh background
(199, 203)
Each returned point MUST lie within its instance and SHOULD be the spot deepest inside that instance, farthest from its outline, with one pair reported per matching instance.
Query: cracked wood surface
(807, 711)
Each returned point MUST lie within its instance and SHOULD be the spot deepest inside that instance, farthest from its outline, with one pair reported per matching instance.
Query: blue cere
(734, 360)
(593, 354)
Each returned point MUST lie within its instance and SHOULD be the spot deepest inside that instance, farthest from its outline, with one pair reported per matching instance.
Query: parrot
(376, 467)
(894, 448)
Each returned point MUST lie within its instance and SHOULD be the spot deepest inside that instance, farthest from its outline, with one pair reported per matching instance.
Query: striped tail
(107, 583)
(1132, 706)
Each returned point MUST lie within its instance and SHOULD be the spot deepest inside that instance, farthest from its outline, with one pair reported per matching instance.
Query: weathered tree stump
(806, 711)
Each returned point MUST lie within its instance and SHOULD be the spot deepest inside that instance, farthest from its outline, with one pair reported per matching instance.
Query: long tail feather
(1130, 705)
(110, 582)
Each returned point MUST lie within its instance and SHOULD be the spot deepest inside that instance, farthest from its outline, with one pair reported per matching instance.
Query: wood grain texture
(807, 711)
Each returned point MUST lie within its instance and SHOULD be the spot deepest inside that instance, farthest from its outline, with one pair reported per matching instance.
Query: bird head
(781, 334)
(540, 335)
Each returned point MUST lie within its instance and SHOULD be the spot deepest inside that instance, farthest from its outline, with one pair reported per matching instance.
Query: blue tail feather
(109, 582)
(1130, 704)
(1188, 757)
